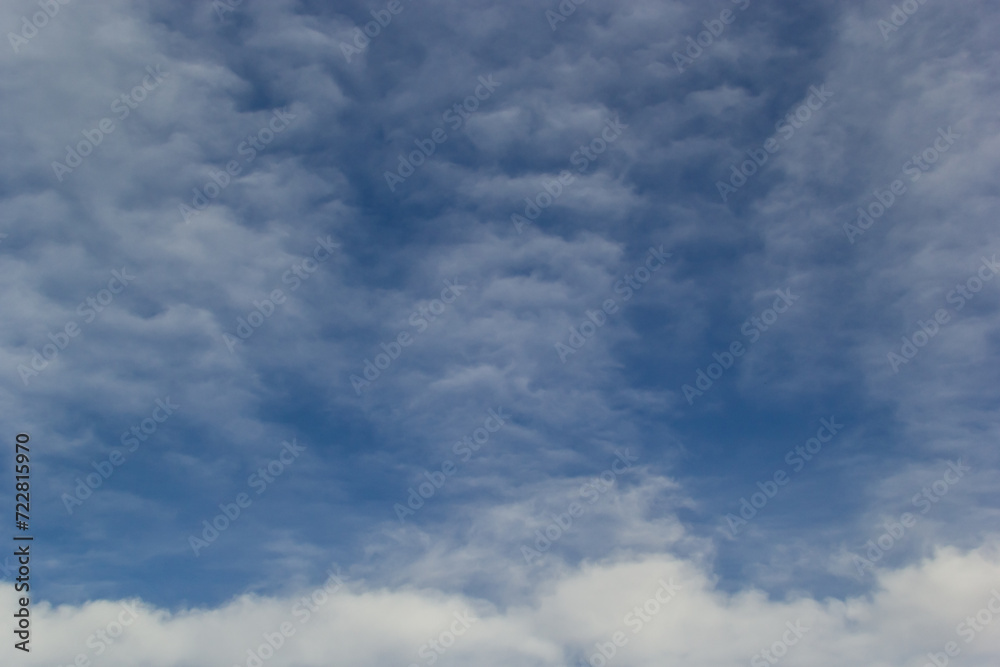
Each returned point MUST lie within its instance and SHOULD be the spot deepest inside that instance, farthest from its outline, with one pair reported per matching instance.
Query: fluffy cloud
(658, 609)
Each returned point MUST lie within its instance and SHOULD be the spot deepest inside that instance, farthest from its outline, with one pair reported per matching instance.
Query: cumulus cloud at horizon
(625, 610)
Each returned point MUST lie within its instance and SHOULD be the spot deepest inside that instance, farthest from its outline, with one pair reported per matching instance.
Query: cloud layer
(587, 227)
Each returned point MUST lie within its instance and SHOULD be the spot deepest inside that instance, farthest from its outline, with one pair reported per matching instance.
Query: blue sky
(394, 305)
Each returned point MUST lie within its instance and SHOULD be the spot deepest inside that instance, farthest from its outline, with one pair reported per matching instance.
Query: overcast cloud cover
(618, 375)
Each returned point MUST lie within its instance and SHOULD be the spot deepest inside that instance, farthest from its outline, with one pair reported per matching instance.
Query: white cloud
(911, 611)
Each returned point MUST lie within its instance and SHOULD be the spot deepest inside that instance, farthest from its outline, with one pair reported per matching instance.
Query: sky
(549, 334)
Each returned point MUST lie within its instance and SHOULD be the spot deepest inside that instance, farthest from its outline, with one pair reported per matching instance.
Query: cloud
(495, 346)
(911, 611)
